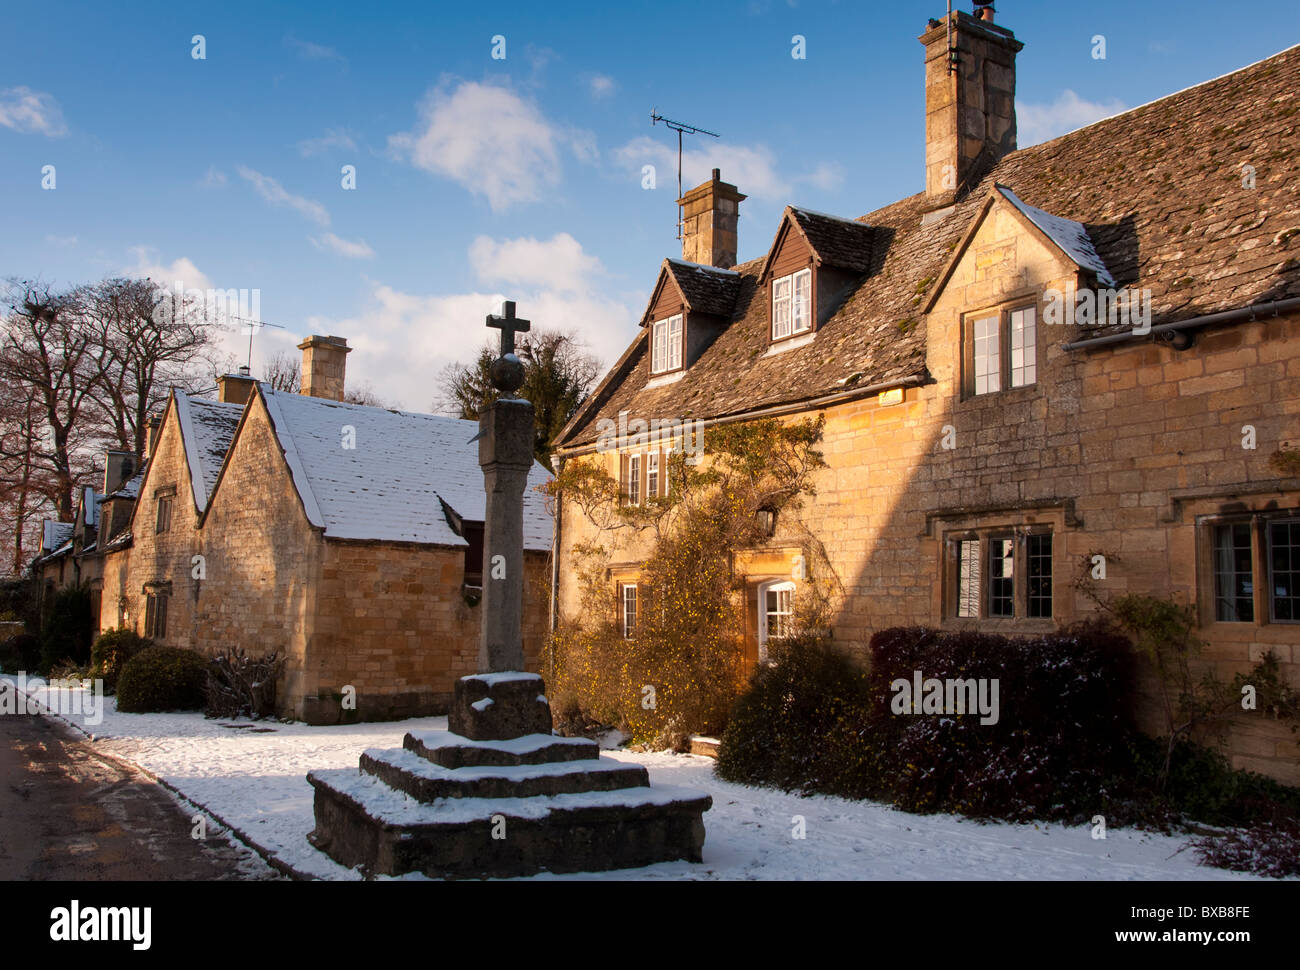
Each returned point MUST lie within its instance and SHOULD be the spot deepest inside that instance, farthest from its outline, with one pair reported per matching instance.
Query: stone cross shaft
(505, 453)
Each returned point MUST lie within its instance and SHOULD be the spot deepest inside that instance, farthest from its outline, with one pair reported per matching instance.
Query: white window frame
(629, 626)
(792, 304)
(634, 479)
(652, 474)
(774, 586)
(666, 345)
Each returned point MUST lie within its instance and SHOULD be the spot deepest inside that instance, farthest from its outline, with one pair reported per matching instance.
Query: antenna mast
(252, 327)
(682, 129)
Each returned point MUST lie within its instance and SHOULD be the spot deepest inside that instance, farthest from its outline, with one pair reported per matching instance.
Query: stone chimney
(235, 388)
(709, 215)
(119, 466)
(155, 425)
(970, 112)
(324, 360)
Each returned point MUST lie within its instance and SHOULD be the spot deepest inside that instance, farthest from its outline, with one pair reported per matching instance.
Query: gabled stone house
(988, 431)
(347, 537)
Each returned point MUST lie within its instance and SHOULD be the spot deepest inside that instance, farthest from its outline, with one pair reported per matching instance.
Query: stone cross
(505, 453)
(508, 325)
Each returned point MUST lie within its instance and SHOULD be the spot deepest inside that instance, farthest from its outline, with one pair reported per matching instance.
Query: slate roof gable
(1158, 189)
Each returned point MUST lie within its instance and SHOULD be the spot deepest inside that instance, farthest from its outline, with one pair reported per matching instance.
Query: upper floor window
(1002, 350)
(667, 345)
(163, 520)
(792, 304)
(1002, 575)
(1237, 572)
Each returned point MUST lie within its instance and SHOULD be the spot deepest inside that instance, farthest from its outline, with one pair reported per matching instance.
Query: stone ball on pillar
(507, 373)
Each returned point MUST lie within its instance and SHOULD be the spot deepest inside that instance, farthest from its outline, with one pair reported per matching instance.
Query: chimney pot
(710, 213)
(235, 388)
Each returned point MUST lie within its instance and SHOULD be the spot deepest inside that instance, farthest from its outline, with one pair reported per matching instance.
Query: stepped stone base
(448, 805)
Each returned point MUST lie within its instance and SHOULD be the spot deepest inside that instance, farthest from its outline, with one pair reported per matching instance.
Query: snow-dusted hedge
(1061, 727)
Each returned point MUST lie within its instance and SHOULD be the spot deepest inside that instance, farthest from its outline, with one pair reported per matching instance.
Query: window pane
(1002, 577)
(652, 475)
(629, 610)
(1284, 562)
(660, 356)
(634, 480)
(1038, 574)
(1024, 361)
(968, 578)
(988, 356)
(781, 308)
(1234, 589)
(802, 300)
(675, 343)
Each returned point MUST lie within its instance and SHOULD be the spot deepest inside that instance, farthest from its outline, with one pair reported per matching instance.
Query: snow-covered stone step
(426, 781)
(453, 751)
(362, 821)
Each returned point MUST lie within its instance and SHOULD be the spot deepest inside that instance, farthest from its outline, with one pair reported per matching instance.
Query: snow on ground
(254, 777)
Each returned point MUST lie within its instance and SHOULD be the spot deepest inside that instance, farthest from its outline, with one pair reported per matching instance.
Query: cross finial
(508, 325)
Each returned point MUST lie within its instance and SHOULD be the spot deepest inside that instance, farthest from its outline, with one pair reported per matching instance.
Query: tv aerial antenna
(252, 326)
(682, 129)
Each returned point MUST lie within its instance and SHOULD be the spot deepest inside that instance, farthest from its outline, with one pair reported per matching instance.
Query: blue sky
(478, 178)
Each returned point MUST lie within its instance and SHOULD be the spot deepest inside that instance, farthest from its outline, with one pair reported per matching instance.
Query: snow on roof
(56, 534)
(1070, 236)
(130, 488)
(702, 267)
(207, 428)
(371, 473)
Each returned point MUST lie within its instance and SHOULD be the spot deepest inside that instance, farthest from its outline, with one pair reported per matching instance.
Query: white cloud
(274, 193)
(344, 247)
(752, 169)
(487, 138)
(1041, 122)
(214, 178)
(25, 110)
(181, 270)
(333, 138)
(309, 51)
(601, 86)
(558, 262)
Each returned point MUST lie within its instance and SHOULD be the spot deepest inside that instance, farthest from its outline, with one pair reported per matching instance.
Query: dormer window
(667, 354)
(792, 304)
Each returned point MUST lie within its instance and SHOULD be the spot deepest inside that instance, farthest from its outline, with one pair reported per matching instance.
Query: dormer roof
(833, 241)
(704, 289)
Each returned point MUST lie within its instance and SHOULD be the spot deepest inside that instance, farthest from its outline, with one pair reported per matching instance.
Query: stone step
(426, 781)
(453, 751)
(362, 821)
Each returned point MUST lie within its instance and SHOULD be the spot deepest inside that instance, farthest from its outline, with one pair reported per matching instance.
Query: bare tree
(283, 373)
(48, 353)
(146, 342)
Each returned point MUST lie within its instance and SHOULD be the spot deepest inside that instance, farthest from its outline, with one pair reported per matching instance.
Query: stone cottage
(347, 537)
(1085, 348)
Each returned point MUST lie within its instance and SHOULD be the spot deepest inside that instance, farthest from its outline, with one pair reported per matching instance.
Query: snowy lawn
(253, 777)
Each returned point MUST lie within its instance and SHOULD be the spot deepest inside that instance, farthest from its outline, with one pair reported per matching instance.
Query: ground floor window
(1000, 575)
(1251, 556)
(628, 609)
(155, 613)
(775, 614)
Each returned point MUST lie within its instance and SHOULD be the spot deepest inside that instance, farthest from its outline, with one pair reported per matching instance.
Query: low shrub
(162, 679)
(111, 652)
(22, 652)
(238, 685)
(1269, 849)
